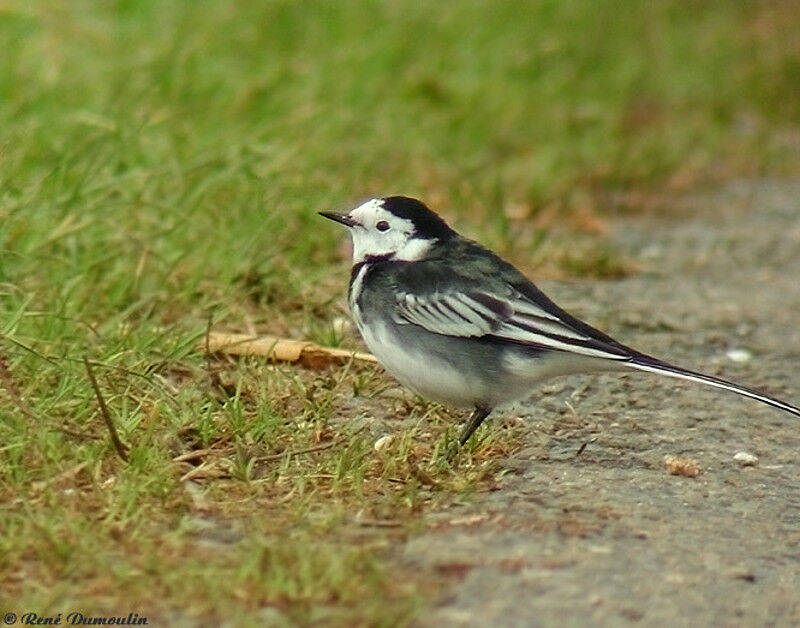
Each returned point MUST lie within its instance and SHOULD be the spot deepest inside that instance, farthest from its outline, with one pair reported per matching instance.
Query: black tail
(652, 365)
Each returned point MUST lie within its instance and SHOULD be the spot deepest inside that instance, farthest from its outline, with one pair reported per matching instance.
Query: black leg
(474, 421)
(473, 424)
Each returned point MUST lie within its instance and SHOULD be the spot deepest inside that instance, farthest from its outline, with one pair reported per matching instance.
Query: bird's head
(394, 227)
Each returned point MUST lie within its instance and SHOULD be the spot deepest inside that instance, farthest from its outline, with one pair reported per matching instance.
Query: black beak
(343, 219)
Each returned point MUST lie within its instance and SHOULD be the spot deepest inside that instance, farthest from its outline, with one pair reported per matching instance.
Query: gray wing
(510, 317)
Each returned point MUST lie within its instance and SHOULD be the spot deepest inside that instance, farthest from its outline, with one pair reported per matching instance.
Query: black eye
(382, 225)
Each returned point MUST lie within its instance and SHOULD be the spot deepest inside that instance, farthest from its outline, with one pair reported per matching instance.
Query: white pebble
(382, 443)
(745, 459)
(341, 325)
(739, 355)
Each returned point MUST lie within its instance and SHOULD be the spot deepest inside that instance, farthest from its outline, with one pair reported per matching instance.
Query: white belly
(438, 380)
(431, 378)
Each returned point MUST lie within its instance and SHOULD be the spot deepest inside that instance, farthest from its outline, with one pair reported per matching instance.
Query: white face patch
(379, 232)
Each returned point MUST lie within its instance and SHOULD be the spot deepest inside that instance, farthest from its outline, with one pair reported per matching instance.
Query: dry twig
(203, 472)
(193, 455)
(119, 446)
(298, 452)
(70, 473)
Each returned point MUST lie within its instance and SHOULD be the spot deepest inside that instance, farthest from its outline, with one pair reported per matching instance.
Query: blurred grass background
(162, 162)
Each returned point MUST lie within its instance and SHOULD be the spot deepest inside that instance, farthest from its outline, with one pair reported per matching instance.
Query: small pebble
(739, 355)
(654, 251)
(742, 573)
(745, 459)
(341, 325)
(678, 465)
(382, 443)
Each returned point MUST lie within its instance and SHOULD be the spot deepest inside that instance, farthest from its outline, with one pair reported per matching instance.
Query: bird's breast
(420, 370)
(354, 294)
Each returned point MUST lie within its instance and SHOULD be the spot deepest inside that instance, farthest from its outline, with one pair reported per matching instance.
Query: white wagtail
(457, 324)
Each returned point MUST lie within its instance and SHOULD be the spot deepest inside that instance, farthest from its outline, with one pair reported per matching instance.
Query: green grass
(162, 162)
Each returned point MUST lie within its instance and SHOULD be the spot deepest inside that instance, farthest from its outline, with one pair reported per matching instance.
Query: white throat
(412, 250)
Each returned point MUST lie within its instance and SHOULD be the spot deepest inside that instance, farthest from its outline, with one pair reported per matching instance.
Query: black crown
(427, 223)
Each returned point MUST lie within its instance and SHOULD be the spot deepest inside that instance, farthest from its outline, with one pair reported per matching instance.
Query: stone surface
(609, 537)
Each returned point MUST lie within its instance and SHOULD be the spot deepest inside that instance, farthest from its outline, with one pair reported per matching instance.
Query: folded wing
(510, 317)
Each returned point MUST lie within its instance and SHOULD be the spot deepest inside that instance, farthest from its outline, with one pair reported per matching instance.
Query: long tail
(652, 365)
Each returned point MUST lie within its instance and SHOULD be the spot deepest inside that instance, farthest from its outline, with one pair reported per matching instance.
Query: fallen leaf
(307, 353)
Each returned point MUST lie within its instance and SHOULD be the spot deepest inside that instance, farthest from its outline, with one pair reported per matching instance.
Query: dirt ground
(607, 536)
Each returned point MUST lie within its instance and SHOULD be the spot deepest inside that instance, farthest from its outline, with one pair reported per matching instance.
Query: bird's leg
(475, 419)
(472, 424)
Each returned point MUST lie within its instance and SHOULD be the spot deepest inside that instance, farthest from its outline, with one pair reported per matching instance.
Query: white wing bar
(516, 319)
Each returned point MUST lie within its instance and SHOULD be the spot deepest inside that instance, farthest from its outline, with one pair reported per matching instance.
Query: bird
(457, 324)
